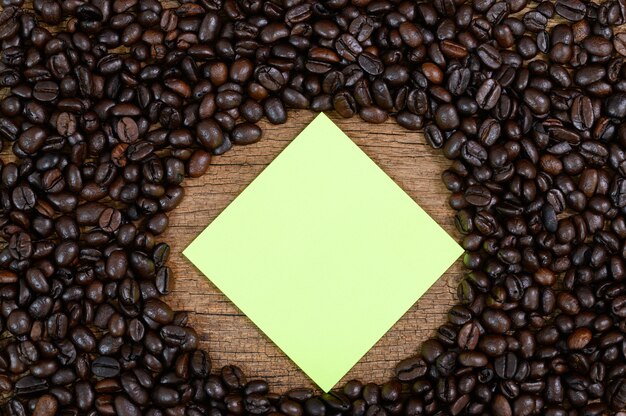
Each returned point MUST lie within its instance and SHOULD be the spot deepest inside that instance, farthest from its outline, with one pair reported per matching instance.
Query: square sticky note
(323, 252)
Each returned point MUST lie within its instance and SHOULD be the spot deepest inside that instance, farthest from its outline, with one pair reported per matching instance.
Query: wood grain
(226, 333)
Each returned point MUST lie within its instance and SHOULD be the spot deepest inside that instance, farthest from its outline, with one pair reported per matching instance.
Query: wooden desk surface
(225, 332)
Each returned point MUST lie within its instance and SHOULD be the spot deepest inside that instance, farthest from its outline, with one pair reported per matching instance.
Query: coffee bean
(127, 130)
(123, 406)
(348, 47)
(270, 78)
(411, 369)
(245, 133)
(209, 134)
(432, 72)
(496, 321)
(477, 195)
(32, 140)
(45, 91)
(29, 385)
(490, 56)
(616, 105)
(579, 339)
(370, 63)
(447, 117)
(373, 115)
(105, 367)
(572, 11)
(469, 336)
(538, 102)
(535, 21)
(344, 104)
(472, 359)
(9, 22)
(66, 124)
(488, 94)
(597, 45)
(619, 43)
(501, 406)
(506, 365)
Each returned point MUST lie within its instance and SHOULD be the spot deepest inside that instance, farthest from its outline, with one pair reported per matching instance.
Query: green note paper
(323, 252)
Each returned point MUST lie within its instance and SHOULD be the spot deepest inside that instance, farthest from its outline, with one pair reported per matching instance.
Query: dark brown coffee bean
(582, 113)
(619, 43)
(597, 45)
(66, 124)
(506, 365)
(348, 47)
(245, 133)
(270, 78)
(209, 134)
(9, 22)
(46, 91)
(373, 115)
(538, 102)
(24, 199)
(344, 104)
(123, 406)
(32, 140)
(127, 130)
(490, 56)
(572, 11)
(411, 369)
(110, 220)
(446, 117)
(501, 406)
(488, 94)
(370, 63)
(105, 367)
(468, 336)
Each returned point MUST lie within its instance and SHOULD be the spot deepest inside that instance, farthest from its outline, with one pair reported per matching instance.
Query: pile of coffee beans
(110, 104)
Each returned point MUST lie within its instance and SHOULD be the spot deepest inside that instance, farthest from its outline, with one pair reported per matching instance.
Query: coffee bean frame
(505, 366)
(227, 333)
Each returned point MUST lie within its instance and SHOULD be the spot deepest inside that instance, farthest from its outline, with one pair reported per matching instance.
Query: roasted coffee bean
(30, 385)
(573, 11)
(488, 94)
(32, 140)
(245, 133)
(619, 43)
(434, 136)
(270, 78)
(447, 117)
(105, 367)
(9, 22)
(127, 130)
(490, 56)
(373, 115)
(411, 369)
(275, 111)
(370, 63)
(46, 91)
(348, 47)
(537, 101)
(66, 124)
(469, 336)
(344, 104)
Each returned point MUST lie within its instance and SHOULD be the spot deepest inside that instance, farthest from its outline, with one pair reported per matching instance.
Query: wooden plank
(228, 335)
